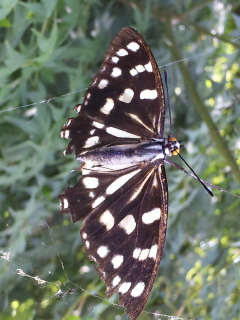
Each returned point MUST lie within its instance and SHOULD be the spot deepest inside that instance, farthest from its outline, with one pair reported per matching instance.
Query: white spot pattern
(102, 251)
(115, 59)
(153, 252)
(90, 182)
(126, 96)
(65, 134)
(148, 94)
(122, 53)
(133, 72)
(119, 182)
(108, 106)
(140, 68)
(79, 108)
(98, 201)
(151, 216)
(98, 125)
(107, 219)
(68, 122)
(138, 289)
(134, 46)
(87, 244)
(65, 203)
(120, 133)
(148, 67)
(136, 253)
(128, 224)
(91, 142)
(84, 235)
(117, 260)
(116, 72)
(116, 281)
(144, 254)
(103, 84)
(124, 287)
(135, 117)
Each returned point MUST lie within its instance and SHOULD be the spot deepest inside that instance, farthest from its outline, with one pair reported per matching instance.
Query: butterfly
(122, 195)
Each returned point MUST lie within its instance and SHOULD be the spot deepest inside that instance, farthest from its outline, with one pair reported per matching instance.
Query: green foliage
(49, 51)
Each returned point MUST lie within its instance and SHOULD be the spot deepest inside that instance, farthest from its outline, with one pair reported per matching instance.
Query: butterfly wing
(124, 215)
(124, 210)
(125, 101)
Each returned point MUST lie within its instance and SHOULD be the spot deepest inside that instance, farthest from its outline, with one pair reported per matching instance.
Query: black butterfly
(122, 196)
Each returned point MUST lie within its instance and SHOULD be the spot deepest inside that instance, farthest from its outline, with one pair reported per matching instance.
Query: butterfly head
(174, 145)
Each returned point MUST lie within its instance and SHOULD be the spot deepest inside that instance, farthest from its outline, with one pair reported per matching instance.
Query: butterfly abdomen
(127, 154)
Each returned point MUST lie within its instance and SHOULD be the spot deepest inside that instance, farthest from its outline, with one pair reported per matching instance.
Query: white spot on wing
(65, 134)
(133, 72)
(124, 287)
(148, 94)
(87, 244)
(79, 108)
(98, 125)
(153, 252)
(116, 72)
(117, 260)
(136, 118)
(68, 122)
(98, 201)
(148, 67)
(139, 189)
(126, 96)
(90, 182)
(84, 235)
(108, 106)
(134, 46)
(120, 133)
(138, 289)
(140, 68)
(65, 203)
(144, 254)
(93, 259)
(128, 224)
(115, 59)
(102, 251)
(122, 53)
(119, 182)
(136, 253)
(151, 216)
(91, 142)
(102, 84)
(116, 281)
(107, 219)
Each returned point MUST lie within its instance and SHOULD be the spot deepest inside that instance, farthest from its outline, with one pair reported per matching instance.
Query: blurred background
(49, 51)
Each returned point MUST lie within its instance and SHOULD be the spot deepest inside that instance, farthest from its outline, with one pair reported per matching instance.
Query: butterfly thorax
(131, 153)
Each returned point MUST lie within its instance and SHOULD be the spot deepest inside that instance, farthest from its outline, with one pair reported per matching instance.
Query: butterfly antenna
(205, 187)
(168, 102)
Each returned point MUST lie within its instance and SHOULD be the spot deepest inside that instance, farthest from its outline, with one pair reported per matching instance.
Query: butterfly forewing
(128, 88)
(87, 134)
(123, 208)
(126, 94)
